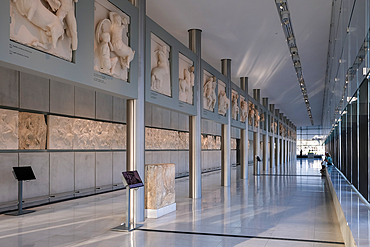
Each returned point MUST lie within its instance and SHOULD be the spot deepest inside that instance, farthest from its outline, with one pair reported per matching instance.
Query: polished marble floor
(283, 207)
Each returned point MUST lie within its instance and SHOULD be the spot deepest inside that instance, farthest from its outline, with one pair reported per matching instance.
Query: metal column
(272, 138)
(265, 103)
(278, 147)
(226, 131)
(195, 145)
(256, 137)
(244, 136)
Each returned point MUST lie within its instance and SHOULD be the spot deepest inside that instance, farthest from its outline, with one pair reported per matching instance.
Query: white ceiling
(249, 32)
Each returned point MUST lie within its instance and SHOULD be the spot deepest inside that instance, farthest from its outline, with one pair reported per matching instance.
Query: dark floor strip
(287, 175)
(240, 236)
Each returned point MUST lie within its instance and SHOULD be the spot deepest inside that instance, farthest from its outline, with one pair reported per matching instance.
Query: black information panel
(132, 179)
(24, 173)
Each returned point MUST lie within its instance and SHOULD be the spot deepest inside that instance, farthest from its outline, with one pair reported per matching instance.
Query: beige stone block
(32, 131)
(159, 185)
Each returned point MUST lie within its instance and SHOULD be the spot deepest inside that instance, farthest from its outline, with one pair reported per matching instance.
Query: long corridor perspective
(282, 208)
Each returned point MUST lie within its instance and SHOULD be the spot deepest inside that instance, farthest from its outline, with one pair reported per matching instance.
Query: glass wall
(310, 139)
(346, 100)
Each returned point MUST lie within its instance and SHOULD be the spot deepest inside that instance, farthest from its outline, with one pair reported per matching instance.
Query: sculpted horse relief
(186, 86)
(45, 25)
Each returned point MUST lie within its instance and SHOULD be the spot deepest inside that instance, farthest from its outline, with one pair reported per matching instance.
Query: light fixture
(282, 7)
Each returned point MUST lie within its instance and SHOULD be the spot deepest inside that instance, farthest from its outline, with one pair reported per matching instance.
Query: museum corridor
(291, 208)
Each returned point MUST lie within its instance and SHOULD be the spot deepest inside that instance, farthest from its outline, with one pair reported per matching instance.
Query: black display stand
(131, 180)
(24, 173)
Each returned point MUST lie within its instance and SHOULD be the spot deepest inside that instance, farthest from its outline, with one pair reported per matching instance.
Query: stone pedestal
(159, 190)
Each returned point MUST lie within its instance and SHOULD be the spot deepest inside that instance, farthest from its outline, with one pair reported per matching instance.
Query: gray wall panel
(40, 166)
(62, 99)
(84, 170)
(119, 166)
(84, 102)
(104, 106)
(61, 172)
(104, 169)
(119, 110)
(34, 92)
(8, 184)
(9, 86)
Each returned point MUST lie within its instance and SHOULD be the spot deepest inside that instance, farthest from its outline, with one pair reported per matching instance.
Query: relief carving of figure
(243, 111)
(123, 51)
(45, 25)
(209, 93)
(162, 69)
(251, 113)
(65, 12)
(103, 39)
(223, 103)
(256, 118)
(234, 107)
(186, 86)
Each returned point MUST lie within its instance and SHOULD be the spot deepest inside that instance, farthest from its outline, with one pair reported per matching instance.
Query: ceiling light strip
(282, 7)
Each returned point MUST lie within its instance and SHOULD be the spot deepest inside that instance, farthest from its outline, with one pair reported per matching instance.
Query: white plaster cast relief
(166, 139)
(160, 66)
(60, 132)
(47, 25)
(186, 85)
(32, 131)
(243, 109)
(209, 91)
(8, 129)
(223, 101)
(103, 135)
(234, 105)
(84, 137)
(112, 54)
(118, 136)
(71, 133)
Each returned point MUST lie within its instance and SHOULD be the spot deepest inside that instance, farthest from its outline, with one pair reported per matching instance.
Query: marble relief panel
(32, 131)
(84, 136)
(70, 133)
(8, 129)
(60, 133)
(160, 66)
(183, 140)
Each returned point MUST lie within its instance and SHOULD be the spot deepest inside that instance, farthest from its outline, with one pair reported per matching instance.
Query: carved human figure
(223, 103)
(243, 110)
(106, 62)
(256, 118)
(209, 93)
(186, 86)
(161, 70)
(234, 106)
(123, 51)
(66, 12)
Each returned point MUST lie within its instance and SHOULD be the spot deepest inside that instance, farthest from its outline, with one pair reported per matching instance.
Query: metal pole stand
(20, 202)
(127, 226)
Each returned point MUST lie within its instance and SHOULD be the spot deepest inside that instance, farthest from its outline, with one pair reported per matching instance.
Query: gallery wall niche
(112, 52)
(46, 25)
(160, 66)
